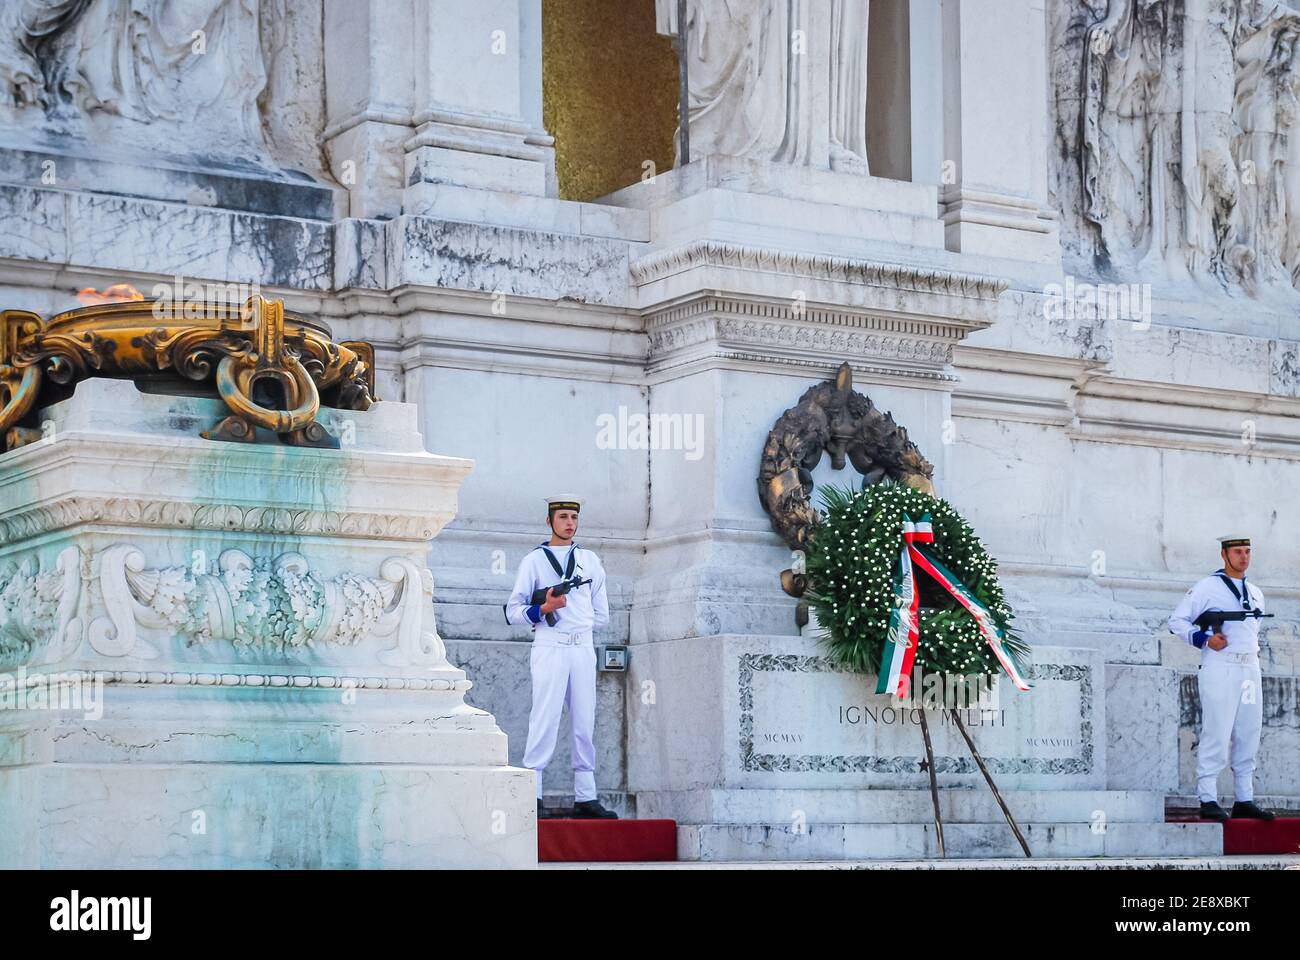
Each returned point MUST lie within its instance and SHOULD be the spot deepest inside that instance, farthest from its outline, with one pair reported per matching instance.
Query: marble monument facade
(1075, 286)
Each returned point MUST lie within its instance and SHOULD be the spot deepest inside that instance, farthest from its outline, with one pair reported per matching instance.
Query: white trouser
(564, 670)
(1232, 711)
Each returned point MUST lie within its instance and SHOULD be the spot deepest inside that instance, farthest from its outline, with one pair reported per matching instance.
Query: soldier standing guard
(1228, 681)
(563, 659)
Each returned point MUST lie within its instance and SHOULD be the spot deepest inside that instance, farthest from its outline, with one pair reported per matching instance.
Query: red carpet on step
(1255, 837)
(1262, 836)
(581, 841)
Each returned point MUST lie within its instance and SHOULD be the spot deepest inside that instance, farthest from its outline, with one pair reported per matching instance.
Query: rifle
(559, 590)
(1213, 620)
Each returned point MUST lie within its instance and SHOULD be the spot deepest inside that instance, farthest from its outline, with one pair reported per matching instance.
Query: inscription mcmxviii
(759, 752)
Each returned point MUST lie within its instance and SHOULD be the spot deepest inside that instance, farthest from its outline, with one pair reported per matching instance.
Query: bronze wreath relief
(830, 418)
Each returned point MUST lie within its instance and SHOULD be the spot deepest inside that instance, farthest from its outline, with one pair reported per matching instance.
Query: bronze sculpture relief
(830, 418)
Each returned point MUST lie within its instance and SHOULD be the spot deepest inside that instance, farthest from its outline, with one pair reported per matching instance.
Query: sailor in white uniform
(1229, 681)
(563, 657)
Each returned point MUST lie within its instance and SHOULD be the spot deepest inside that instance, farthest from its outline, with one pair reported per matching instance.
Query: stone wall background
(414, 204)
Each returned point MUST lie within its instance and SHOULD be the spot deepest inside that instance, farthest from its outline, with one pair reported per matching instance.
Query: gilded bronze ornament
(830, 418)
(19, 384)
(272, 369)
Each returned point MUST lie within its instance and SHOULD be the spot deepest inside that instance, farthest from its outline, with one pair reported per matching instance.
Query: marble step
(790, 807)
(906, 841)
(1060, 863)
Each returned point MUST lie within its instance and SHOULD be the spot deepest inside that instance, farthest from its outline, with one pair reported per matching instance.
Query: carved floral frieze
(232, 517)
(273, 605)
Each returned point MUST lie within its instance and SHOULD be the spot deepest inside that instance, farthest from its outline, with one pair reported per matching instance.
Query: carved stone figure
(848, 95)
(1210, 179)
(785, 82)
(165, 60)
(1128, 124)
(1185, 153)
(198, 63)
(1266, 112)
(275, 605)
(35, 67)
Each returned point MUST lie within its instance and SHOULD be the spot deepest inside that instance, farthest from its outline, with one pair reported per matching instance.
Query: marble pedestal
(224, 655)
(762, 748)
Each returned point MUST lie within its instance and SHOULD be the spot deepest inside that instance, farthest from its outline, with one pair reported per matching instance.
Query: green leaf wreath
(851, 566)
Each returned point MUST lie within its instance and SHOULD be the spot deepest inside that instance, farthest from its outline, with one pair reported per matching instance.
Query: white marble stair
(899, 841)
(767, 824)
(1216, 863)
(749, 806)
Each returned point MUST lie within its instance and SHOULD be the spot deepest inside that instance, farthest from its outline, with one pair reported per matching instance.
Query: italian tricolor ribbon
(904, 627)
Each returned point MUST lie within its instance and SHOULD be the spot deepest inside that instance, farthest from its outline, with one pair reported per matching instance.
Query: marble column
(477, 101)
(436, 95)
(369, 100)
(994, 200)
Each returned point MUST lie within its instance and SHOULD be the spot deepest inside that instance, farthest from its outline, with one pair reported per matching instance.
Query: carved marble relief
(1176, 123)
(785, 82)
(38, 608)
(217, 76)
(273, 606)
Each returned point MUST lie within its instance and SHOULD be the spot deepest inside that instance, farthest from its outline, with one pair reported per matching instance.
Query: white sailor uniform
(563, 659)
(1232, 707)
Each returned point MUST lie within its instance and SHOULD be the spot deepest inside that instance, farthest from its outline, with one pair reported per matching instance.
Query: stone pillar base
(761, 748)
(475, 152)
(192, 792)
(737, 711)
(990, 224)
(224, 654)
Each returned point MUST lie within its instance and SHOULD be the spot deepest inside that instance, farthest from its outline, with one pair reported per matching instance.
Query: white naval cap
(1233, 540)
(563, 503)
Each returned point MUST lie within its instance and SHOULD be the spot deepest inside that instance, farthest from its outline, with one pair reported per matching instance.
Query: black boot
(592, 810)
(1210, 810)
(1246, 810)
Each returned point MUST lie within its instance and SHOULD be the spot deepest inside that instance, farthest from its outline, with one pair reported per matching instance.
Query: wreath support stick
(934, 787)
(1006, 812)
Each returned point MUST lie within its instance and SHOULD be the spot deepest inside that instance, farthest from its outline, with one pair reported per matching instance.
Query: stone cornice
(709, 253)
(735, 312)
(731, 328)
(139, 512)
(38, 675)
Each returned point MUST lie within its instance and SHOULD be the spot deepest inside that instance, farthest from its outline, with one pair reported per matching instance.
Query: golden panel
(609, 93)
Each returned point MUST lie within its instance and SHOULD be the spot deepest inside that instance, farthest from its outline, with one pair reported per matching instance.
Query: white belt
(557, 638)
(1243, 658)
